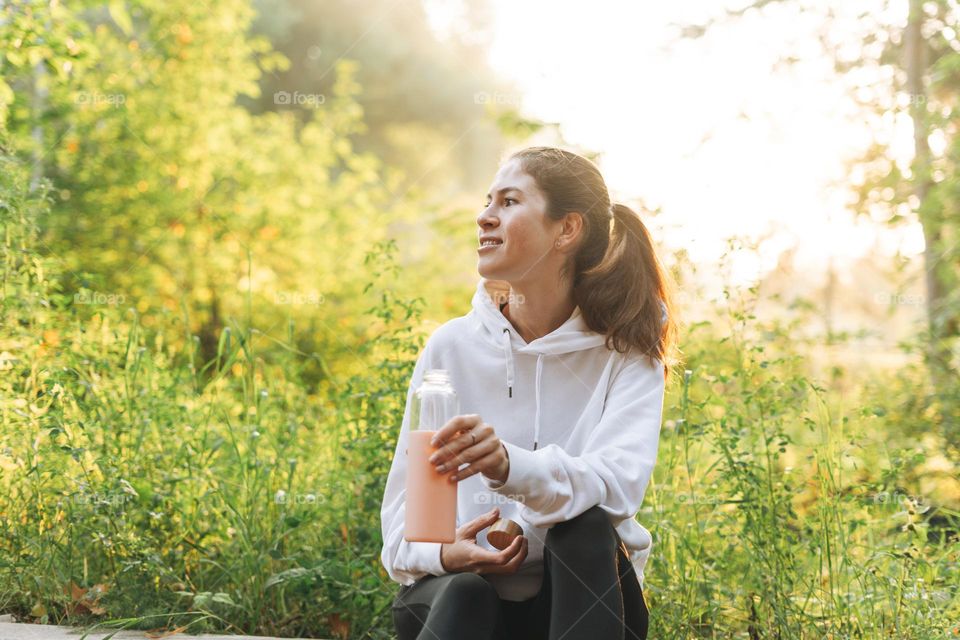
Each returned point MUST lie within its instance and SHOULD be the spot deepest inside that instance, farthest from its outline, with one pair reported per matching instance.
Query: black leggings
(590, 591)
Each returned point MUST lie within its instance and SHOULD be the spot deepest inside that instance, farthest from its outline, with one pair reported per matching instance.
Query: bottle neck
(437, 376)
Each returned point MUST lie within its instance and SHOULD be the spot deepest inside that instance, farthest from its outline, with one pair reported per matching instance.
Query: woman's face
(516, 216)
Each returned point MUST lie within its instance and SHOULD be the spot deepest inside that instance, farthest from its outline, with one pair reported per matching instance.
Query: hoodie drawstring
(508, 353)
(574, 335)
(536, 422)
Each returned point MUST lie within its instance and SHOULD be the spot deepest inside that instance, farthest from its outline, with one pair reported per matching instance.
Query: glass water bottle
(431, 499)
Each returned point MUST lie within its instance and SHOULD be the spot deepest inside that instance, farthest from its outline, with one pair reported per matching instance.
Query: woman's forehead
(512, 176)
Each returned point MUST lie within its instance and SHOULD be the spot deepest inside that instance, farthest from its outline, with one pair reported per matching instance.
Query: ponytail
(625, 295)
(620, 285)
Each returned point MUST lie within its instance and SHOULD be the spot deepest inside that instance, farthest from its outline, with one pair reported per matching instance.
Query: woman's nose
(485, 219)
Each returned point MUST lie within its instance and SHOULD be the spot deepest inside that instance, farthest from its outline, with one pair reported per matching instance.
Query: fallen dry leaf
(85, 600)
(339, 626)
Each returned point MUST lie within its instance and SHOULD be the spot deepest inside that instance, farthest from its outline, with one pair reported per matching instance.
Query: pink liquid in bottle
(431, 505)
(431, 499)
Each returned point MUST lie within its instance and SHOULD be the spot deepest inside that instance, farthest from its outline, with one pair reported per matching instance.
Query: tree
(425, 91)
(170, 194)
(912, 65)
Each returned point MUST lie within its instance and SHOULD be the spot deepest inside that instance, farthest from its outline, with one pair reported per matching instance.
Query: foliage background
(226, 234)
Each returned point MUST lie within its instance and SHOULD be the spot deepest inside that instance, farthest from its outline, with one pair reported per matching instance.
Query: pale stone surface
(16, 631)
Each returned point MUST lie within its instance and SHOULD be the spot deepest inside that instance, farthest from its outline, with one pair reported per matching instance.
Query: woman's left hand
(468, 440)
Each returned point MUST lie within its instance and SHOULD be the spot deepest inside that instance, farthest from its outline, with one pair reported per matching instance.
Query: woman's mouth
(489, 245)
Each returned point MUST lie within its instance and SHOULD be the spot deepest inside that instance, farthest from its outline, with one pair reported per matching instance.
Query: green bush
(219, 495)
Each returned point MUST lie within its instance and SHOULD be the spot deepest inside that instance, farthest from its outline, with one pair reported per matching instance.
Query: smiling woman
(571, 323)
(548, 214)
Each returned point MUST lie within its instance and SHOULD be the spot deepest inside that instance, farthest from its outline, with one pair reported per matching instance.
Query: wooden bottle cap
(502, 532)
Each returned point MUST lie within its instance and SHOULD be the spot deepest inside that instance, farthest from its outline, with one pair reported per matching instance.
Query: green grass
(230, 495)
(783, 509)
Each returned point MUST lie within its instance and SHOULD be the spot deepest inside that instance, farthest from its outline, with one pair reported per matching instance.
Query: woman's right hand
(466, 556)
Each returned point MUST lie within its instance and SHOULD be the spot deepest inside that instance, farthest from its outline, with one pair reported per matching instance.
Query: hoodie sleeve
(616, 464)
(404, 561)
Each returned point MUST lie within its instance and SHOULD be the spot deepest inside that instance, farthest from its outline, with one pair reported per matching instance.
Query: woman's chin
(487, 270)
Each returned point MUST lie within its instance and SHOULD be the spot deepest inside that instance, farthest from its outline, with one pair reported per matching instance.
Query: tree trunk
(941, 329)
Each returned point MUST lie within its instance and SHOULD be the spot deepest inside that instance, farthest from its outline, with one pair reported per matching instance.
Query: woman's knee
(446, 603)
(592, 525)
(470, 589)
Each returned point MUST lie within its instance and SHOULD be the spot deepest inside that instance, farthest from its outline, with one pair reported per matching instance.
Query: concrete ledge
(18, 631)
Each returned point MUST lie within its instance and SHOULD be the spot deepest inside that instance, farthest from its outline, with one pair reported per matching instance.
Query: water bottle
(431, 499)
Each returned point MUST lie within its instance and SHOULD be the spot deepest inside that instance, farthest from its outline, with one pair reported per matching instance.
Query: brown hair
(618, 282)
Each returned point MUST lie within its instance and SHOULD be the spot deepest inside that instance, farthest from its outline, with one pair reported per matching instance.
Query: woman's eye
(509, 200)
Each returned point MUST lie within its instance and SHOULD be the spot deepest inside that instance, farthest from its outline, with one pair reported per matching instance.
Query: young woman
(560, 368)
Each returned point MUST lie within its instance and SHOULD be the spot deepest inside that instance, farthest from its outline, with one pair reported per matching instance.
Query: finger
(451, 449)
(469, 454)
(487, 463)
(482, 557)
(514, 564)
(454, 425)
(470, 529)
(461, 443)
(508, 560)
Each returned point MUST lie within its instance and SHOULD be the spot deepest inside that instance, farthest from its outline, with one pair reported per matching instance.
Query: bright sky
(704, 129)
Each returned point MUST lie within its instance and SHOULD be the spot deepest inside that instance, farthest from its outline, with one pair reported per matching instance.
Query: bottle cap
(502, 532)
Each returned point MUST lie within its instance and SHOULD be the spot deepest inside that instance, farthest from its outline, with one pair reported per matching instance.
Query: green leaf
(120, 15)
(289, 575)
(224, 598)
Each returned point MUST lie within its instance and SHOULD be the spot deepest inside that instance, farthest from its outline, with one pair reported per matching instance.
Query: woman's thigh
(635, 614)
(412, 606)
(455, 605)
(522, 620)
(528, 619)
(533, 616)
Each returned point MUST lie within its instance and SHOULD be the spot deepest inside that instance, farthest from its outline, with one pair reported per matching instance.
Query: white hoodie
(580, 422)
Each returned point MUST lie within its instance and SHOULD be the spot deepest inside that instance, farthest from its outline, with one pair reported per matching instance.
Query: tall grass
(143, 486)
(782, 509)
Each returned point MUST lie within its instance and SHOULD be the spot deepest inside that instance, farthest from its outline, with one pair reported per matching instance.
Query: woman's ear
(571, 227)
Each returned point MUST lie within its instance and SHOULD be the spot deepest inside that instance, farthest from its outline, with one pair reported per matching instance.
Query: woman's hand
(466, 556)
(468, 440)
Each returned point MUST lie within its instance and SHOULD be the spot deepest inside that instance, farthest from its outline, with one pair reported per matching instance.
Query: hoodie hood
(572, 335)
